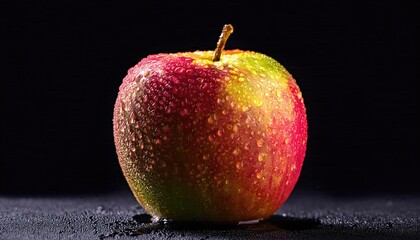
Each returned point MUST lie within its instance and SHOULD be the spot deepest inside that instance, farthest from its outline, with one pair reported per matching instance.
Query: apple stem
(227, 30)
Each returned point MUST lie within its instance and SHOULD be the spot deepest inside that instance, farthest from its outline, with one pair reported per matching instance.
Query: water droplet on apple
(235, 152)
(259, 175)
(257, 102)
(287, 141)
(211, 138)
(133, 137)
(235, 128)
(210, 120)
(239, 165)
(127, 107)
(184, 112)
(166, 128)
(260, 142)
(179, 70)
(220, 132)
(166, 94)
(206, 157)
(132, 118)
(262, 156)
(174, 90)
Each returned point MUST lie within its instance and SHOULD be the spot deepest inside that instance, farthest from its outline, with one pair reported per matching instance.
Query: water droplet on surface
(211, 138)
(219, 132)
(235, 128)
(141, 145)
(239, 165)
(206, 157)
(184, 112)
(133, 137)
(258, 102)
(287, 141)
(278, 92)
(262, 156)
(235, 151)
(166, 128)
(132, 118)
(259, 175)
(210, 120)
(245, 108)
(260, 142)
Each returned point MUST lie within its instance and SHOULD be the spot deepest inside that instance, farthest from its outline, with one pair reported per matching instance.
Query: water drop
(211, 138)
(189, 72)
(166, 94)
(141, 145)
(166, 128)
(206, 156)
(259, 175)
(260, 142)
(174, 79)
(258, 102)
(287, 141)
(239, 165)
(179, 70)
(235, 151)
(245, 108)
(235, 128)
(184, 112)
(262, 156)
(278, 93)
(219, 132)
(132, 118)
(210, 120)
(133, 137)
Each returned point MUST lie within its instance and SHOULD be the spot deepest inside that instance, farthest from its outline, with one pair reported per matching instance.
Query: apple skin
(214, 142)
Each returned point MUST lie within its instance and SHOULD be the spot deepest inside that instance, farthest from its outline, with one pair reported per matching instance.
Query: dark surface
(305, 215)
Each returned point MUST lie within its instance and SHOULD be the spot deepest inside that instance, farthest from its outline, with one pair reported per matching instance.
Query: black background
(357, 64)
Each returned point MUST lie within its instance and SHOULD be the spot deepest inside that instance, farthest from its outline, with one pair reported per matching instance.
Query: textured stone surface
(117, 215)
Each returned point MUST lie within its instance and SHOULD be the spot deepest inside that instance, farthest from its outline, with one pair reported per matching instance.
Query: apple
(210, 136)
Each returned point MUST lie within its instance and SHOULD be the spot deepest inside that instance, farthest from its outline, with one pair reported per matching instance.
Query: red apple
(210, 136)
